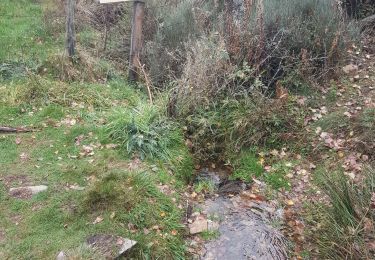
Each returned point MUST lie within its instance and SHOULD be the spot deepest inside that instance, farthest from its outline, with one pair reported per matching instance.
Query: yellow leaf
(290, 202)
(261, 161)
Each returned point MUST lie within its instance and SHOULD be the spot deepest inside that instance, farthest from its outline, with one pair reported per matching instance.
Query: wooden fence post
(70, 31)
(136, 39)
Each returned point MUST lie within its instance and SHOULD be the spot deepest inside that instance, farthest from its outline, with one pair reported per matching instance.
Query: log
(6, 129)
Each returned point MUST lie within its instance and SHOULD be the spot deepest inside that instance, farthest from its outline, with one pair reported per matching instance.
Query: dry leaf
(98, 220)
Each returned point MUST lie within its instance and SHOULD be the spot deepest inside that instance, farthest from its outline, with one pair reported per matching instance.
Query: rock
(231, 187)
(26, 191)
(61, 256)
(350, 69)
(33, 189)
(198, 226)
(110, 246)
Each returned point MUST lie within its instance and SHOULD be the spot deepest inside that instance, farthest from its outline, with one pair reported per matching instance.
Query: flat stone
(110, 246)
(32, 189)
(198, 226)
(26, 191)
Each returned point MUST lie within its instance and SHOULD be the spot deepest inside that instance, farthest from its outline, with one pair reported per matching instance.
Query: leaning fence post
(136, 39)
(70, 31)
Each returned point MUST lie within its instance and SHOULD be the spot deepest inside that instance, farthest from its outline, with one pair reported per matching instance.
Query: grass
(345, 222)
(24, 42)
(205, 186)
(61, 218)
(71, 117)
(248, 166)
(210, 235)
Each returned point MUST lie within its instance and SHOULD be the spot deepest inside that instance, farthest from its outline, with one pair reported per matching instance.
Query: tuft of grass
(246, 167)
(144, 131)
(342, 225)
(205, 186)
(210, 235)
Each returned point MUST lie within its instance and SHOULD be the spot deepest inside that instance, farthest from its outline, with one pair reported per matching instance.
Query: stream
(247, 223)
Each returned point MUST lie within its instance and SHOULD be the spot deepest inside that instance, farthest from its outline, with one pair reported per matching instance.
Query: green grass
(210, 235)
(248, 166)
(24, 42)
(61, 218)
(342, 225)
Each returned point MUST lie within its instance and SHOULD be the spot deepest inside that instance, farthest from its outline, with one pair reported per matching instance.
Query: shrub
(228, 126)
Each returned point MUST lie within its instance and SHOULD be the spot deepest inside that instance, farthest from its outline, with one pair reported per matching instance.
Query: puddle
(247, 223)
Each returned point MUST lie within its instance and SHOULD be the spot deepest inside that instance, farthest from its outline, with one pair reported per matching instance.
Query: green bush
(228, 126)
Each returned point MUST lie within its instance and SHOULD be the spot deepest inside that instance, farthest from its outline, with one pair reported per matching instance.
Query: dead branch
(367, 22)
(6, 129)
(147, 81)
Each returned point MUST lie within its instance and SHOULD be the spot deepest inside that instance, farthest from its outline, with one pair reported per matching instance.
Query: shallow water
(246, 230)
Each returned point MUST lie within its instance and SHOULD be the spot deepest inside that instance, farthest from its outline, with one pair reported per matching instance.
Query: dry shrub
(205, 74)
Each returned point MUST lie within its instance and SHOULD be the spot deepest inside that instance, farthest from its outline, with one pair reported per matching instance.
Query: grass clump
(247, 167)
(205, 186)
(210, 235)
(276, 177)
(114, 190)
(143, 131)
(345, 225)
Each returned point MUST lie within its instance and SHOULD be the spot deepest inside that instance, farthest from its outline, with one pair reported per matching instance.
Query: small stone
(198, 226)
(110, 246)
(61, 256)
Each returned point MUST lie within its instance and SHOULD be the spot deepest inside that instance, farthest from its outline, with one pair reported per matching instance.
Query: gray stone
(61, 256)
(110, 246)
(32, 189)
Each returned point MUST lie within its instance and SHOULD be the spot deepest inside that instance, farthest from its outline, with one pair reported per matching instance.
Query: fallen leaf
(98, 220)
(290, 202)
(18, 140)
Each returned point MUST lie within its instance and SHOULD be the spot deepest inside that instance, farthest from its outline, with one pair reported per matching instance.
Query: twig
(148, 82)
